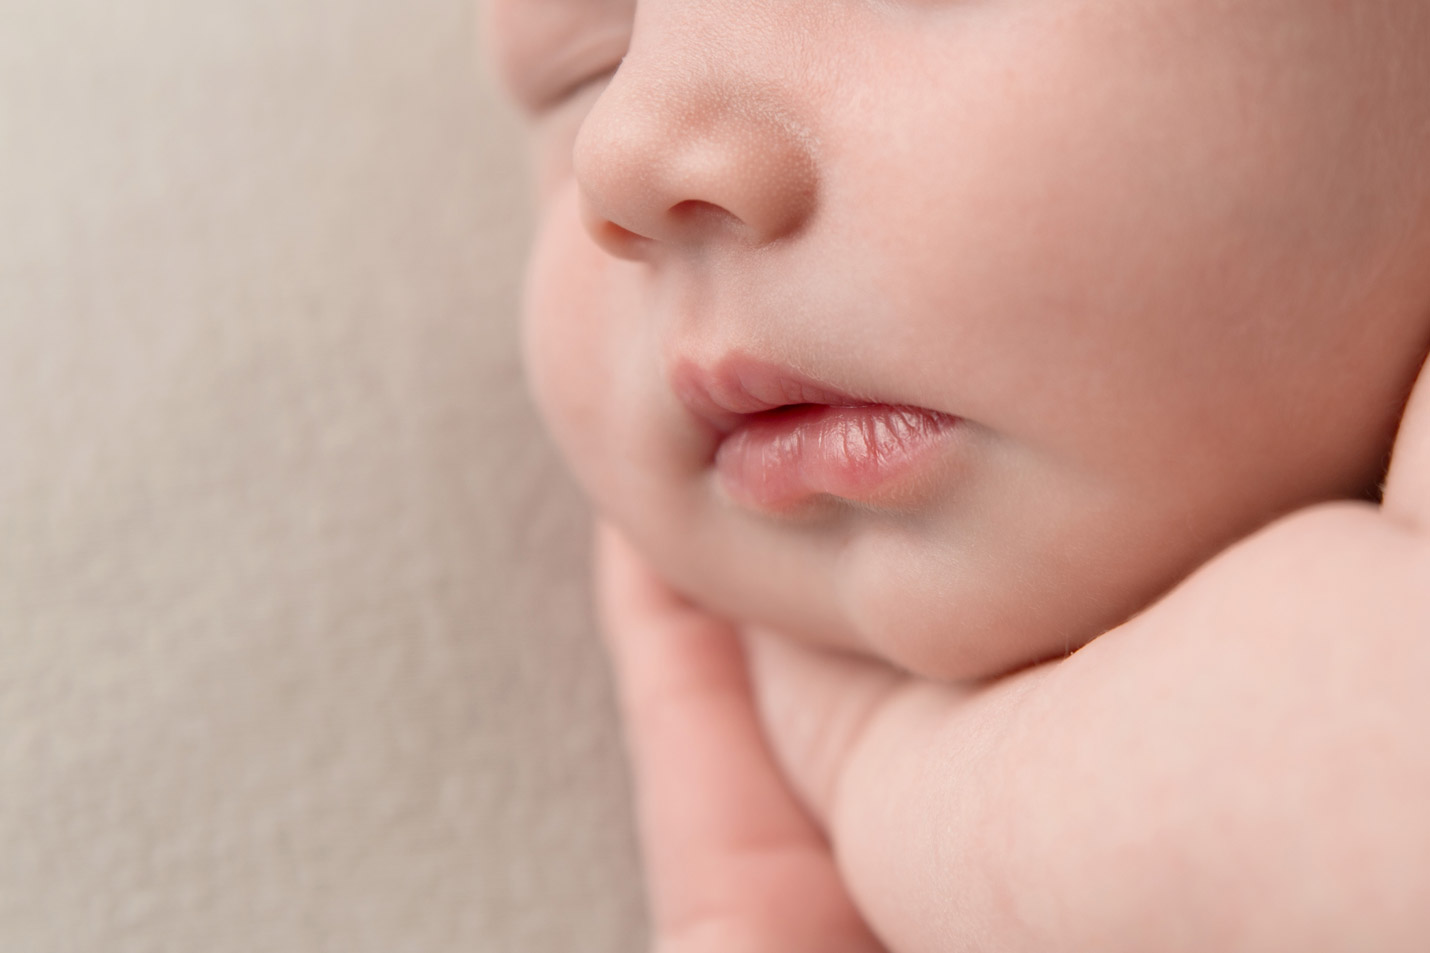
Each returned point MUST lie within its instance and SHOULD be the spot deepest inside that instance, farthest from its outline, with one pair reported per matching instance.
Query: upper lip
(737, 386)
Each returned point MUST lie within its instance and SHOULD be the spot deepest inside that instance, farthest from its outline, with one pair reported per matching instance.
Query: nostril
(615, 239)
(695, 208)
(611, 233)
(621, 242)
(698, 217)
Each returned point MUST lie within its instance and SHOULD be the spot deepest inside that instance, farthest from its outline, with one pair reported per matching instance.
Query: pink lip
(782, 439)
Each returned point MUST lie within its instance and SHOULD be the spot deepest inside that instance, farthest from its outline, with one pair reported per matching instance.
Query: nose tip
(684, 163)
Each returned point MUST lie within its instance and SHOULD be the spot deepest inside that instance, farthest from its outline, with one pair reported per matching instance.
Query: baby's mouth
(783, 439)
(781, 458)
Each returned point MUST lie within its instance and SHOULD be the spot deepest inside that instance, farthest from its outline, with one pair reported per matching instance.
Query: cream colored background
(294, 651)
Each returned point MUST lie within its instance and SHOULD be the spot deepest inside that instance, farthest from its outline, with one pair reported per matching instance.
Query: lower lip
(782, 458)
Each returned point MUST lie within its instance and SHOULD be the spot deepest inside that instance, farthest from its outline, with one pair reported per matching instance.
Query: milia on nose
(684, 157)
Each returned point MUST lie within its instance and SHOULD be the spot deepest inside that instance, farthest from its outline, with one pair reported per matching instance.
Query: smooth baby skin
(1165, 263)
(1241, 768)
(1165, 260)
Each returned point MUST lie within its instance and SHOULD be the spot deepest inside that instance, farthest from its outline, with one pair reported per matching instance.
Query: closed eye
(580, 87)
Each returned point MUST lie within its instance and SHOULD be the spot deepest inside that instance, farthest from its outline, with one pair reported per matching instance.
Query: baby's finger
(816, 705)
(1407, 486)
(732, 861)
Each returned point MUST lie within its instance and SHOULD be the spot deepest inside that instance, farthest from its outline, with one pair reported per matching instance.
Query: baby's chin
(909, 609)
(918, 600)
(923, 626)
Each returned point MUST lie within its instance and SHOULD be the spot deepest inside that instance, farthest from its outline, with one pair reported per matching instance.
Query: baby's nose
(670, 158)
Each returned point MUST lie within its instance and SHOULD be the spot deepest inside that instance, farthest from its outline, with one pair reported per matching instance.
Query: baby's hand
(733, 862)
(1242, 767)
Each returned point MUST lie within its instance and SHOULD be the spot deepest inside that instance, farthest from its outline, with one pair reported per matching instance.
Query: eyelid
(573, 65)
(579, 86)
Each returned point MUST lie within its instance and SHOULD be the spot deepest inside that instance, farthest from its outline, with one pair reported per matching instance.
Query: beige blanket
(294, 641)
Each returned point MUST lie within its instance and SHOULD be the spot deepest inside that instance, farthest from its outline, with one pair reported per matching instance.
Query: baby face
(955, 332)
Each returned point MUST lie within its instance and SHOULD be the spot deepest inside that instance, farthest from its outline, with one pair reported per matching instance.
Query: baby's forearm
(1242, 768)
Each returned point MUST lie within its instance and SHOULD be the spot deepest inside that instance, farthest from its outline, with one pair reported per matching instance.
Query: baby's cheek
(563, 324)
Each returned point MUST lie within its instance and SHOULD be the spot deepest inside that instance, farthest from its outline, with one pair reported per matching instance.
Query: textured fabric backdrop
(294, 641)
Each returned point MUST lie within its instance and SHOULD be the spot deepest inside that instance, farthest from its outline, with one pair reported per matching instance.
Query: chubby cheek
(591, 367)
(565, 336)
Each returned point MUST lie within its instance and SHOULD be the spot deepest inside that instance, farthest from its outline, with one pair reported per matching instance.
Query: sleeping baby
(991, 406)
